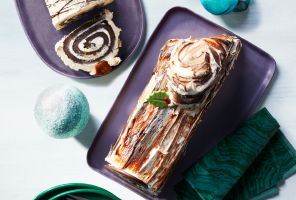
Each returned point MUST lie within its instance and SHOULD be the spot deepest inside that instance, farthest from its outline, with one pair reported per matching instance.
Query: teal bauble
(219, 7)
(62, 111)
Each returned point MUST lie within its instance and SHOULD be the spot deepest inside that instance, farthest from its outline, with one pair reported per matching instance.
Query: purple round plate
(37, 24)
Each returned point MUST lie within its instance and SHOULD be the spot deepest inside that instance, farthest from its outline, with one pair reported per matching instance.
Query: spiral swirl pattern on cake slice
(90, 44)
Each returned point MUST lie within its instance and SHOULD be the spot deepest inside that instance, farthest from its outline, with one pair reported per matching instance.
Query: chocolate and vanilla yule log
(93, 46)
(190, 71)
(64, 12)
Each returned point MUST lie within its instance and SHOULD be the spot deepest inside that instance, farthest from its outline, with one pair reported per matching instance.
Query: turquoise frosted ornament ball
(62, 111)
(219, 7)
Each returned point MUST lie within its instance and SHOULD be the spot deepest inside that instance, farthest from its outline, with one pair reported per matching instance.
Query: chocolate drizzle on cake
(64, 12)
(67, 8)
(152, 142)
(97, 28)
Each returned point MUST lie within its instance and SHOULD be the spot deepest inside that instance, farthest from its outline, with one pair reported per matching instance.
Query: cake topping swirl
(192, 67)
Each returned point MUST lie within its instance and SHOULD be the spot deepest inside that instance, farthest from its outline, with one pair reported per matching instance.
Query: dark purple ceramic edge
(133, 51)
(268, 79)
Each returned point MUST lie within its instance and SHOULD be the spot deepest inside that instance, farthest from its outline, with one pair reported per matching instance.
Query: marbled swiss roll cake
(64, 12)
(153, 140)
(93, 46)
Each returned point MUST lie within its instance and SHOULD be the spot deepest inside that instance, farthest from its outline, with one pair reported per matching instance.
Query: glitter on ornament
(62, 111)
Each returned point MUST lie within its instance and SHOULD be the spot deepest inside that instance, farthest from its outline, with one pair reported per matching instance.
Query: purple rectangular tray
(233, 104)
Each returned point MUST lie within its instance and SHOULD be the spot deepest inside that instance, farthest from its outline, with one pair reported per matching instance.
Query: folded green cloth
(247, 164)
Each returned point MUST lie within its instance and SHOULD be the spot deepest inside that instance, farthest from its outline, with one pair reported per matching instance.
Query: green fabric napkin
(247, 164)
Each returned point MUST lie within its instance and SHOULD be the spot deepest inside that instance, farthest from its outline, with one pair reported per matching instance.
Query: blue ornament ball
(62, 111)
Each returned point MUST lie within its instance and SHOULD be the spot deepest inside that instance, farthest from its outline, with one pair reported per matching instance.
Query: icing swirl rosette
(193, 65)
(92, 43)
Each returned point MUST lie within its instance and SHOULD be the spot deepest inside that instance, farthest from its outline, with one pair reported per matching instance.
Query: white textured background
(31, 161)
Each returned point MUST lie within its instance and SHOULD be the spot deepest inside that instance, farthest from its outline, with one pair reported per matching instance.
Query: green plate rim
(104, 193)
(44, 195)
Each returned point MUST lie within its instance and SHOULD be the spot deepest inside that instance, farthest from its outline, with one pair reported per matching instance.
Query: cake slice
(64, 12)
(93, 46)
(190, 71)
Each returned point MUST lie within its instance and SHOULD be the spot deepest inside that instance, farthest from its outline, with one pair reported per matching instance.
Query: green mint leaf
(156, 99)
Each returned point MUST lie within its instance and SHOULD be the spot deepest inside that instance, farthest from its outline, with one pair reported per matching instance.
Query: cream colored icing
(63, 10)
(176, 69)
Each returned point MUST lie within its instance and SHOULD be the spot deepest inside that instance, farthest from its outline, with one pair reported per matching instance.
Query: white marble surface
(31, 161)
